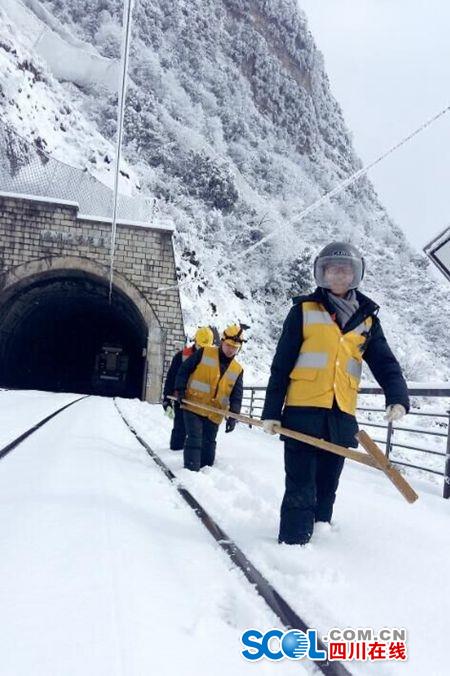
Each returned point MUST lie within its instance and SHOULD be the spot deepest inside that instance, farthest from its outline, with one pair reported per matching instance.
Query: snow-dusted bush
(108, 36)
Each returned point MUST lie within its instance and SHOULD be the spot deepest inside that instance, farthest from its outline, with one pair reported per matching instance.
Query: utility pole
(126, 37)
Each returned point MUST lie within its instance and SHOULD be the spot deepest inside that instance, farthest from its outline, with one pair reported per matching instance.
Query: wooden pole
(299, 436)
(383, 463)
(375, 457)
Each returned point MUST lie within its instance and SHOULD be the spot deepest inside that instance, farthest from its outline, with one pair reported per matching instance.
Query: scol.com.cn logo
(359, 645)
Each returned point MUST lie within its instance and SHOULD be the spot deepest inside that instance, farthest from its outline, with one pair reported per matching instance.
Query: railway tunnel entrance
(58, 332)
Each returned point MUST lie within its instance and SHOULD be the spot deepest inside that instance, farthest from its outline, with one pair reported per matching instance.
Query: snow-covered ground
(21, 409)
(106, 571)
(382, 563)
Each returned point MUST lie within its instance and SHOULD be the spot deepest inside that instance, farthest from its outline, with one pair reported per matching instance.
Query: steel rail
(279, 606)
(13, 444)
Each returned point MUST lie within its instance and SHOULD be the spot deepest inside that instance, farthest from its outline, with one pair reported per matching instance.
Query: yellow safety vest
(329, 363)
(206, 386)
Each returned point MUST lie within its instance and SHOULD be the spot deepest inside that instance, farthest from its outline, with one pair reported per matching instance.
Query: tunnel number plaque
(61, 238)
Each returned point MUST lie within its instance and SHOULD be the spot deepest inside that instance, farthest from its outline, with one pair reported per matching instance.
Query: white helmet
(339, 253)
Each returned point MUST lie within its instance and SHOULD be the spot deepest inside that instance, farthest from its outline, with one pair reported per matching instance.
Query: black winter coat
(169, 385)
(377, 355)
(189, 366)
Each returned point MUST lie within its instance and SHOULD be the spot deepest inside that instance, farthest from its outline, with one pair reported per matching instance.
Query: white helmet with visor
(339, 259)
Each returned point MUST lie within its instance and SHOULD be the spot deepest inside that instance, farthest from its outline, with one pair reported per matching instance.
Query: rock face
(231, 125)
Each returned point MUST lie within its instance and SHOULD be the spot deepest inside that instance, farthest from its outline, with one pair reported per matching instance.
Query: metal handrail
(416, 448)
(406, 464)
(421, 430)
(436, 414)
(254, 407)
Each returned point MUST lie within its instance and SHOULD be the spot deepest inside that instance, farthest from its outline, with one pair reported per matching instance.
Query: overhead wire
(327, 196)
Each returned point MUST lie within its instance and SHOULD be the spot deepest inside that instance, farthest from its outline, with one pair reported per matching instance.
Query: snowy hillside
(231, 125)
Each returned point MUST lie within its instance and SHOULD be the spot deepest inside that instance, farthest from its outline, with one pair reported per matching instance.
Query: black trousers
(312, 475)
(312, 478)
(178, 432)
(200, 444)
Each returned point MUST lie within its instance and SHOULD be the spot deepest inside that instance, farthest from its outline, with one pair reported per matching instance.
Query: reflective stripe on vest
(316, 360)
(208, 361)
(201, 387)
(360, 328)
(354, 367)
(329, 363)
(206, 386)
(317, 317)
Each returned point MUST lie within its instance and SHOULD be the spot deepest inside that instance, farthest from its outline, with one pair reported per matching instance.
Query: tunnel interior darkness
(56, 331)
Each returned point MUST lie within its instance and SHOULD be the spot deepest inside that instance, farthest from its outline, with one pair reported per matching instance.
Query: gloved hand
(394, 412)
(179, 395)
(168, 408)
(230, 425)
(169, 412)
(268, 426)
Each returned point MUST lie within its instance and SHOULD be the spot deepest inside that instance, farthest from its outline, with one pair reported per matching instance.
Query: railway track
(279, 606)
(288, 617)
(13, 444)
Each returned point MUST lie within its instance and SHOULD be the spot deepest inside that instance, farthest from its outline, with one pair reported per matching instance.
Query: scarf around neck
(345, 307)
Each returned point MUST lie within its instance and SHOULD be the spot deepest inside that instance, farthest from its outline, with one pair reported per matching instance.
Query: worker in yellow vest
(212, 376)
(203, 338)
(314, 382)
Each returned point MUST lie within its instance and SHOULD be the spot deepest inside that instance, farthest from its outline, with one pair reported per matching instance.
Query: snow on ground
(382, 563)
(105, 571)
(21, 409)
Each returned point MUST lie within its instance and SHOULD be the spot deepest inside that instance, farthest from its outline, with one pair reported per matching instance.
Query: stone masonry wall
(34, 228)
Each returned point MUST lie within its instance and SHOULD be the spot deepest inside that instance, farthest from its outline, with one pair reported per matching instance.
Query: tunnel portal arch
(58, 331)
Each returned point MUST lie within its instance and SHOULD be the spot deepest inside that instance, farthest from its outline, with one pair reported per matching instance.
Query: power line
(344, 184)
(331, 193)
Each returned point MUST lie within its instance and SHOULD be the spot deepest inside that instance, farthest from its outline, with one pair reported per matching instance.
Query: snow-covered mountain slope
(230, 123)
(41, 109)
